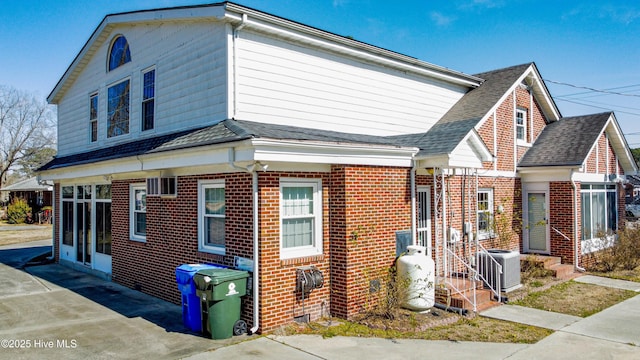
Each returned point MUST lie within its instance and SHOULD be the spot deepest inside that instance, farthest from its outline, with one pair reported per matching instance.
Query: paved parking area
(51, 311)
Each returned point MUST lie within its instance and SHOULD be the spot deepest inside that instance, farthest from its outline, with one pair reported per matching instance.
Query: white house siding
(191, 82)
(289, 84)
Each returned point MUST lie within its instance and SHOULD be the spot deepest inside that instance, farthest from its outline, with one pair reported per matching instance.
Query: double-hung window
(148, 99)
(521, 125)
(93, 116)
(300, 218)
(485, 213)
(138, 212)
(118, 109)
(211, 216)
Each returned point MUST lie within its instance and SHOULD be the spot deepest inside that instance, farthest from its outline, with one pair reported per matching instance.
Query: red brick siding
(505, 129)
(172, 235)
(561, 204)
(56, 221)
(369, 204)
(279, 301)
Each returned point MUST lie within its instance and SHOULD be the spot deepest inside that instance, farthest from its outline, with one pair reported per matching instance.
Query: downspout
(252, 169)
(53, 227)
(414, 229)
(575, 225)
(256, 257)
(236, 30)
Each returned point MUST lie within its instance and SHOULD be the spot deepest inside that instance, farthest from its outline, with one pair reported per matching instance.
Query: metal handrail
(459, 279)
(493, 272)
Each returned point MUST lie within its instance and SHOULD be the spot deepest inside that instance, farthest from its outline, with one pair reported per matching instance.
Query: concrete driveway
(51, 311)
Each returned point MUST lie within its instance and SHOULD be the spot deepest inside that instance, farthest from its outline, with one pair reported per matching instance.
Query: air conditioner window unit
(161, 186)
(510, 262)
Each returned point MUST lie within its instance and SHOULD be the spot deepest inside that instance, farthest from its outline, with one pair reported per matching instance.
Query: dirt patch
(9, 236)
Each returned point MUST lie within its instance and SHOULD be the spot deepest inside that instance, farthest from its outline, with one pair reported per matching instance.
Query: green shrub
(17, 211)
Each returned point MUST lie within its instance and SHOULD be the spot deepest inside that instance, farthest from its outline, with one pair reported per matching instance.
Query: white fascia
(290, 151)
(546, 174)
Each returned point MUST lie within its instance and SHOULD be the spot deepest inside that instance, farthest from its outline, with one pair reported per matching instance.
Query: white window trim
(485, 234)
(523, 126)
(132, 205)
(142, 101)
(316, 248)
(202, 185)
(129, 133)
(92, 120)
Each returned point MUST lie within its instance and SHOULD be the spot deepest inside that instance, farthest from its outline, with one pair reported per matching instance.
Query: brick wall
(561, 204)
(279, 301)
(56, 221)
(172, 235)
(504, 144)
(368, 205)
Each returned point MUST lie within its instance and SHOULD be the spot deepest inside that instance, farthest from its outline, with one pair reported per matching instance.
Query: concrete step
(562, 271)
(553, 263)
(484, 300)
(546, 261)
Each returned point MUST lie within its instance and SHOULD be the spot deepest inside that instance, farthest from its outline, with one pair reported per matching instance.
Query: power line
(592, 89)
(598, 107)
(609, 89)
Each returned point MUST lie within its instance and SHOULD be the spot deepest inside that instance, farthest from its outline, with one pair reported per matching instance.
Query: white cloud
(340, 3)
(441, 19)
(623, 14)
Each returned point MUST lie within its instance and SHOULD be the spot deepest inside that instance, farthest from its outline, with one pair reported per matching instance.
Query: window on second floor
(93, 116)
(148, 99)
(119, 53)
(118, 109)
(521, 125)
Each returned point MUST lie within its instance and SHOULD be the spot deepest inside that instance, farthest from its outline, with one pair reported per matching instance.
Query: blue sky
(585, 44)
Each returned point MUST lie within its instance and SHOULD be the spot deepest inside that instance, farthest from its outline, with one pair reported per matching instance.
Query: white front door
(424, 217)
(536, 224)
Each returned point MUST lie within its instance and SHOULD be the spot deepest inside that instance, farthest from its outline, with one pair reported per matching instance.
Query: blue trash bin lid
(185, 272)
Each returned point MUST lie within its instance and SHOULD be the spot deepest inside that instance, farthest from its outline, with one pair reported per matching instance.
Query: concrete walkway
(56, 312)
(611, 334)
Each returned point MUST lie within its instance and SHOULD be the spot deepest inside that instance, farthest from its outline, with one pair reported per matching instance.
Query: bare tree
(26, 126)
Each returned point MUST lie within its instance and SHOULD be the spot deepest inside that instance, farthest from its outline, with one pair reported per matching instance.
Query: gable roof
(569, 142)
(238, 15)
(29, 184)
(477, 104)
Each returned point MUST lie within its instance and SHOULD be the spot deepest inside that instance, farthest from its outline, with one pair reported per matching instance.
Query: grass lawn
(574, 298)
(567, 297)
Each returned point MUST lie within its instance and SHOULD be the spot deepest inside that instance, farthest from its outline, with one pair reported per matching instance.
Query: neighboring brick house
(222, 134)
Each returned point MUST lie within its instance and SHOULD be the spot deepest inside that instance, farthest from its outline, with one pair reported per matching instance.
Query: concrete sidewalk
(51, 311)
(613, 333)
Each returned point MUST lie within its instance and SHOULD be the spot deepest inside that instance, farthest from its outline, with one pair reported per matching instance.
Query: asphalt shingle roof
(566, 142)
(223, 132)
(218, 133)
(447, 133)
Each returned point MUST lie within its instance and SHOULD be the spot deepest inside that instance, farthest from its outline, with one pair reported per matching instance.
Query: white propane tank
(416, 279)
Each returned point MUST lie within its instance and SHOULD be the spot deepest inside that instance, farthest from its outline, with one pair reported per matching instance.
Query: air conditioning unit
(161, 186)
(510, 262)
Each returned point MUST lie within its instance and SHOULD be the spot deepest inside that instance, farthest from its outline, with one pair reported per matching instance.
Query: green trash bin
(220, 291)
